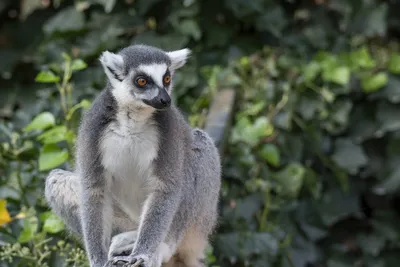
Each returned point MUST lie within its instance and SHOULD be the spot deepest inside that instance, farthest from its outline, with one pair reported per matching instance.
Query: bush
(310, 170)
(311, 164)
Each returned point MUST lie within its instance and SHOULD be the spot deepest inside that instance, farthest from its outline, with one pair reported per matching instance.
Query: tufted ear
(178, 58)
(113, 66)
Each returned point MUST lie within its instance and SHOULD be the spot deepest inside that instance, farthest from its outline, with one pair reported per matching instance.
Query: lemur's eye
(141, 81)
(167, 79)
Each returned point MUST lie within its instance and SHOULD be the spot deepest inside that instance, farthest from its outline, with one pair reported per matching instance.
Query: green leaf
(376, 22)
(339, 116)
(339, 75)
(108, 5)
(53, 224)
(253, 109)
(31, 225)
(247, 207)
(300, 252)
(312, 183)
(394, 63)
(387, 115)
(28, 7)
(66, 57)
(144, 6)
(54, 135)
(78, 64)
(385, 223)
(272, 20)
(44, 215)
(246, 244)
(47, 76)
(336, 204)
(291, 179)
(328, 95)
(52, 156)
(85, 104)
(390, 92)
(371, 244)
(372, 83)
(67, 20)
(311, 70)
(349, 156)
(390, 184)
(361, 58)
(41, 122)
(271, 154)
(308, 106)
(190, 27)
(250, 133)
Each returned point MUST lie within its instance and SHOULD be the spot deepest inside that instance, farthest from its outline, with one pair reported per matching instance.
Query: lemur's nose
(165, 100)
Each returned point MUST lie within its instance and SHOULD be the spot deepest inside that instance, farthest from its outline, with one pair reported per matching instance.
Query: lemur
(146, 185)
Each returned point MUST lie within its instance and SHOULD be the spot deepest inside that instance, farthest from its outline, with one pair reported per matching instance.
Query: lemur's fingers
(138, 263)
(119, 259)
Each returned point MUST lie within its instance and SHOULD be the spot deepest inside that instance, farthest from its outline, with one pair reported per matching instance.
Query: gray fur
(137, 55)
(145, 181)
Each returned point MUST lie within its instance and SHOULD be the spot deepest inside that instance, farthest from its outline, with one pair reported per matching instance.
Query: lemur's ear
(113, 65)
(178, 58)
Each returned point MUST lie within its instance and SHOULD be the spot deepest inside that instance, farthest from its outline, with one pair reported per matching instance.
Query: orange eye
(167, 79)
(141, 81)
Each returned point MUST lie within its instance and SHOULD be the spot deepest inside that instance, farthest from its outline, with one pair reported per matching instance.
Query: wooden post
(219, 117)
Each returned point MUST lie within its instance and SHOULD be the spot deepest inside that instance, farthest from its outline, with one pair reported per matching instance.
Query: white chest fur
(128, 149)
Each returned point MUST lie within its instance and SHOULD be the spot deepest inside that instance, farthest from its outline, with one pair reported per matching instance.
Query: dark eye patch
(143, 76)
(167, 73)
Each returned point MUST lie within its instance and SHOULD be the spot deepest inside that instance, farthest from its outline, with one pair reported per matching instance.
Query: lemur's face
(141, 76)
(151, 84)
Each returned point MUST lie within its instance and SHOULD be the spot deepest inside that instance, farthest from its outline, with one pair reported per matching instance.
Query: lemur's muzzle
(161, 101)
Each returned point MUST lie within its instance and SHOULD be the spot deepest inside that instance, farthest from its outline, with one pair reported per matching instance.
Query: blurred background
(311, 159)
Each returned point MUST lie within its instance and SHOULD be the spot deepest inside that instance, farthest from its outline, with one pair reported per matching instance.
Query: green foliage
(41, 122)
(309, 189)
(311, 166)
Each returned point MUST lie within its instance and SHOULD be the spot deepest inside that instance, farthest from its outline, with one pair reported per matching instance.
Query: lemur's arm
(96, 217)
(158, 213)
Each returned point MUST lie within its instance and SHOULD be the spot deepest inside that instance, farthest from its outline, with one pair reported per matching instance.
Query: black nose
(164, 98)
(165, 101)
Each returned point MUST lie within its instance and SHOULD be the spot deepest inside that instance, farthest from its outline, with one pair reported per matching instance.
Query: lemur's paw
(122, 244)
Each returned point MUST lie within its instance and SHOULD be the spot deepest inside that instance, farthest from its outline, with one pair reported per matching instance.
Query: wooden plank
(219, 117)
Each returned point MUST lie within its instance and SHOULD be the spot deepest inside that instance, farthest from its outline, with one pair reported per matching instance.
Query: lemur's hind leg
(207, 170)
(190, 252)
(62, 195)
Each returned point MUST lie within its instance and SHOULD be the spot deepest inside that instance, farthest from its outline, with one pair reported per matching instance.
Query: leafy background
(311, 168)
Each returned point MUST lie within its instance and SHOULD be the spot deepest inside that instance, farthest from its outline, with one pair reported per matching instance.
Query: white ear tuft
(113, 65)
(178, 57)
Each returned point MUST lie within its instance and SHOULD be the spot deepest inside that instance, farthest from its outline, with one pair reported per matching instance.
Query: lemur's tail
(62, 195)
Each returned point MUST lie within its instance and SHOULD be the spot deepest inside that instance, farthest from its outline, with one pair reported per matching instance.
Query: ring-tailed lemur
(146, 183)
